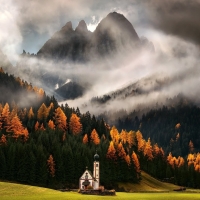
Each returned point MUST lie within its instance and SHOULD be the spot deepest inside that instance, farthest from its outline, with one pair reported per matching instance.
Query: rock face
(67, 44)
(113, 33)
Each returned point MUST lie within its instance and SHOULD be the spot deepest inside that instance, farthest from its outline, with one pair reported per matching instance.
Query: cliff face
(113, 33)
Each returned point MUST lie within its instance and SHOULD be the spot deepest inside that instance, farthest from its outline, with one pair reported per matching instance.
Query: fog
(172, 27)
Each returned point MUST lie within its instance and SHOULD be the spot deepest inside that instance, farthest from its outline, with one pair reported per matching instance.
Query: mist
(172, 27)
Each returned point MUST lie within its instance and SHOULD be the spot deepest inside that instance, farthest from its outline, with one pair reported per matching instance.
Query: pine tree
(75, 125)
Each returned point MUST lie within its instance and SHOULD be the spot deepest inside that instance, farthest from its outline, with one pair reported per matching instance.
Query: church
(89, 179)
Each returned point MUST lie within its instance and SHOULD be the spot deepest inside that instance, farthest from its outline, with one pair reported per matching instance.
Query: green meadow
(12, 191)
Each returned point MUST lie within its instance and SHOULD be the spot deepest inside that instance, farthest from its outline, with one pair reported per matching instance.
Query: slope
(148, 183)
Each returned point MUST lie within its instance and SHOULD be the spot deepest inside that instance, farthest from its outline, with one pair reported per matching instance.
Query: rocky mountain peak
(82, 27)
(68, 26)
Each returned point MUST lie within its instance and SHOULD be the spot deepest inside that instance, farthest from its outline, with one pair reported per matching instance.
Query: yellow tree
(114, 135)
(60, 119)
(121, 152)
(3, 140)
(95, 137)
(131, 138)
(85, 139)
(136, 162)
(51, 166)
(30, 113)
(191, 147)
(140, 141)
(148, 150)
(17, 128)
(128, 160)
(5, 116)
(37, 126)
(123, 136)
(111, 153)
(42, 112)
(51, 124)
(75, 125)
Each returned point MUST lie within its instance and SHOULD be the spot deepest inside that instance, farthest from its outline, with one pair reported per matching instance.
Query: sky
(171, 25)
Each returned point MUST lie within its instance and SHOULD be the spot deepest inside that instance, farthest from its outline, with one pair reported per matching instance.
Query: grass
(148, 183)
(148, 188)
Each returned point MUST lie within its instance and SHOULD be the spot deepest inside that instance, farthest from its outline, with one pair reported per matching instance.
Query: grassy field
(11, 191)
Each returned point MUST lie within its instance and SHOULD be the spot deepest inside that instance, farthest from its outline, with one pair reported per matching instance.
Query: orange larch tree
(5, 116)
(148, 150)
(60, 119)
(131, 138)
(123, 136)
(120, 151)
(30, 113)
(51, 124)
(140, 141)
(191, 147)
(75, 125)
(51, 166)
(42, 112)
(3, 140)
(114, 135)
(95, 137)
(136, 162)
(128, 160)
(111, 153)
(37, 126)
(85, 139)
(17, 128)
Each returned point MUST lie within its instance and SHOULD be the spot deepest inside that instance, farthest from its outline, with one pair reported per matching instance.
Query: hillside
(148, 183)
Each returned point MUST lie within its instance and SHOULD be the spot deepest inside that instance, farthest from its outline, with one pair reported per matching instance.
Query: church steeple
(96, 171)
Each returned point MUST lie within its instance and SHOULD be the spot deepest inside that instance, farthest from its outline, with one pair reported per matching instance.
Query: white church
(87, 179)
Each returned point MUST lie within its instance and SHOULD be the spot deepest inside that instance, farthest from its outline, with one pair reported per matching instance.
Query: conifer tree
(111, 153)
(136, 162)
(95, 137)
(75, 125)
(42, 112)
(37, 126)
(51, 125)
(114, 135)
(60, 119)
(51, 166)
(30, 113)
(85, 139)
(3, 140)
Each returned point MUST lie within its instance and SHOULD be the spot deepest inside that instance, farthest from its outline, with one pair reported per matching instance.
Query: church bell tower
(96, 172)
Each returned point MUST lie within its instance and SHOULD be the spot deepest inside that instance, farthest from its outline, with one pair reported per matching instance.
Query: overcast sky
(28, 24)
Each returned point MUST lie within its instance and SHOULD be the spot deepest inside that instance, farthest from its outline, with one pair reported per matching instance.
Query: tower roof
(96, 157)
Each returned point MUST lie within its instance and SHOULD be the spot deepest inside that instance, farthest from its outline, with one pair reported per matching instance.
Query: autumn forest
(50, 145)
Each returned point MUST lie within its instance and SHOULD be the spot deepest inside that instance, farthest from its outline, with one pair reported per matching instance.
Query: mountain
(69, 49)
(112, 33)
(67, 43)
